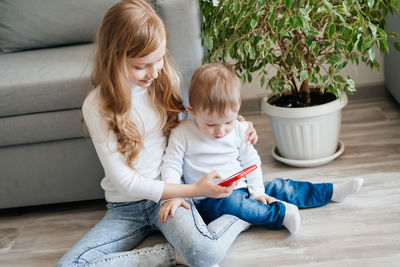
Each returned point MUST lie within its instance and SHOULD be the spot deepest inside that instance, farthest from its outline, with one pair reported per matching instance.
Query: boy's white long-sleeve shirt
(192, 154)
(121, 183)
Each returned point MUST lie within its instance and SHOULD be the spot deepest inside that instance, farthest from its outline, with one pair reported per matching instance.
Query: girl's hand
(250, 132)
(265, 199)
(205, 187)
(170, 207)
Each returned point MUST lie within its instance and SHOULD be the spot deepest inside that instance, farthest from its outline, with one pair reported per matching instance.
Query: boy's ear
(190, 109)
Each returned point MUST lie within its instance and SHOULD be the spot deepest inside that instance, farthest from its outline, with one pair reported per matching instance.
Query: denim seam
(108, 242)
(128, 254)
(144, 207)
(214, 236)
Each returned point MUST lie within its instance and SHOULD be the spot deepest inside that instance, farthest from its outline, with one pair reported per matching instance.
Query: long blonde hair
(132, 29)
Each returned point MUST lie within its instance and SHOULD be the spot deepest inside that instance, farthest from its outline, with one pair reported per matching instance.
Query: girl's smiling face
(142, 71)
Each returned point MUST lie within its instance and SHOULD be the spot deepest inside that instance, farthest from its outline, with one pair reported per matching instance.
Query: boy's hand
(265, 199)
(250, 132)
(170, 207)
(207, 188)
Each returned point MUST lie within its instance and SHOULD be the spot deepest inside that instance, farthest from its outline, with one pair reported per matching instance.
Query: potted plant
(298, 49)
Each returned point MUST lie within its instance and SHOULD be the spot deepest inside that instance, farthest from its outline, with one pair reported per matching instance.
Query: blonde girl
(134, 104)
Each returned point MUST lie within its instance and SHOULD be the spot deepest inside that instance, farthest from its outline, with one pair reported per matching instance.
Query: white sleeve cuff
(148, 189)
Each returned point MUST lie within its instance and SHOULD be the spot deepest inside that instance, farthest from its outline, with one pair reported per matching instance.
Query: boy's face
(213, 126)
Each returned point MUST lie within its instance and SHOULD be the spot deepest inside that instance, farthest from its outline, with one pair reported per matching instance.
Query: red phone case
(237, 176)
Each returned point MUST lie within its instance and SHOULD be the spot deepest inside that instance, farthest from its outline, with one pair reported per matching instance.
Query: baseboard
(371, 91)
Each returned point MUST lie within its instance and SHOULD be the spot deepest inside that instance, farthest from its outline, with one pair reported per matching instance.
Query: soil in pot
(299, 100)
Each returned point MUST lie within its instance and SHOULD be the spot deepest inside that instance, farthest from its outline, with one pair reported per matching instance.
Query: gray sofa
(45, 55)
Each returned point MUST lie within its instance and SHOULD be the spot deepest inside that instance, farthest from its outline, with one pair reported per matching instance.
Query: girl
(133, 105)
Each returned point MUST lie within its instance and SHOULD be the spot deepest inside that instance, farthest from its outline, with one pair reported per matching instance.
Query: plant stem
(306, 90)
(294, 87)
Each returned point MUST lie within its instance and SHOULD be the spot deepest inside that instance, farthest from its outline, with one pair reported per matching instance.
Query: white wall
(362, 77)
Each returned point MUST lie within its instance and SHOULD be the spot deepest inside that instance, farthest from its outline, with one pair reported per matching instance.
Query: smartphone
(237, 176)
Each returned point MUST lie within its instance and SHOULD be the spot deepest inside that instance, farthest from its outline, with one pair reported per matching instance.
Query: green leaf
(209, 43)
(331, 88)
(367, 43)
(331, 31)
(269, 59)
(339, 67)
(373, 29)
(271, 19)
(253, 23)
(299, 21)
(260, 3)
(354, 58)
(397, 46)
(303, 76)
(262, 80)
(249, 77)
(288, 3)
(315, 50)
(252, 52)
(303, 63)
(284, 33)
(350, 46)
(371, 54)
(243, 78)
(370, 3)
(309, 42)
(338, 92)
(281, 23)
(339, 79)
(350, 82)
(313, 31)
(247, 47)
(346, 7)
(385, 45)
(325, 78)
(237, 8)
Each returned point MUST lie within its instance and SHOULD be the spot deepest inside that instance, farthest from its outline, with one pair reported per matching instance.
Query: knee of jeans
(205, 254)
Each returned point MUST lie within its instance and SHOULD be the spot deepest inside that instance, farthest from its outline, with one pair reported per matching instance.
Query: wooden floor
(362, 231)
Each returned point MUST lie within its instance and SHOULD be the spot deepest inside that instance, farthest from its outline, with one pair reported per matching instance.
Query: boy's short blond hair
(214, 88)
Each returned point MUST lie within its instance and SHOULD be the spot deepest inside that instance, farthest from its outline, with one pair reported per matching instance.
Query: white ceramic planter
(307, 133)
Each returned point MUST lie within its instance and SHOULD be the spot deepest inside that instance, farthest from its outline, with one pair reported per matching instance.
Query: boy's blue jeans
(301, 194)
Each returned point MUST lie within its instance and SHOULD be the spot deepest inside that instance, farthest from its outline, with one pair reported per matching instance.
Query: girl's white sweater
(121, 183)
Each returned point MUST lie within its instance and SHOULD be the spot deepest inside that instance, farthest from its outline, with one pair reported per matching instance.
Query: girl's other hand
(251, 133)
(170, 207)
(205, 187)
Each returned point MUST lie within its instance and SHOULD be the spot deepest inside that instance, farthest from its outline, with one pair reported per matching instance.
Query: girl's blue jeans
(301, 194)
(113, 240)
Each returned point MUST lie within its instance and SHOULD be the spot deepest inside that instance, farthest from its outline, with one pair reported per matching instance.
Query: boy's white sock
(341, 191)
(292, 218)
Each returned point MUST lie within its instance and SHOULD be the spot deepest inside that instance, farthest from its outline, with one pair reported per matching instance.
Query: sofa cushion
(44, 79)
(49, 172)
(41, 127)
(47, 23)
